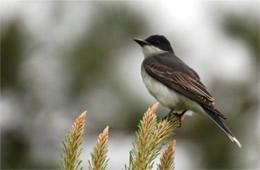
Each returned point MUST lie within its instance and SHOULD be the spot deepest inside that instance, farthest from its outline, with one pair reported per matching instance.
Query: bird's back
(172, 61)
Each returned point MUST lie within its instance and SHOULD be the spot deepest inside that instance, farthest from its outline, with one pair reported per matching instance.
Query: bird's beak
(141, 42)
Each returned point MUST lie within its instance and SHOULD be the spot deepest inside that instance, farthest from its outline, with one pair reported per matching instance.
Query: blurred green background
(61, 58)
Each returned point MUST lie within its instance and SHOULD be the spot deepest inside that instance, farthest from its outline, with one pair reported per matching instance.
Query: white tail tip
(237, 142)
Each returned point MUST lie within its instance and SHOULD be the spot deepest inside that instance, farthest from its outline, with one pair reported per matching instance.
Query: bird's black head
(158, 41)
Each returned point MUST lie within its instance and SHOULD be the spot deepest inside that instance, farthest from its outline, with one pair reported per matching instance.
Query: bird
(176, 85)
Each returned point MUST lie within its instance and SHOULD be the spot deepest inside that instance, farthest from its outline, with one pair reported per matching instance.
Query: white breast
(167, 97)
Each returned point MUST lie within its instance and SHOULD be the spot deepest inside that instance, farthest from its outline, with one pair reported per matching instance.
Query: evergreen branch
(167, 159)
(150, 138)
(99, 155)
(71, 152)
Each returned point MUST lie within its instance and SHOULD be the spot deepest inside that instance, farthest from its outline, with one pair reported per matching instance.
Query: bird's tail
(222, 125)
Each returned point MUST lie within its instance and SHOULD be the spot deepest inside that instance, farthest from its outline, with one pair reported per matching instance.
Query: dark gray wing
(182, 80)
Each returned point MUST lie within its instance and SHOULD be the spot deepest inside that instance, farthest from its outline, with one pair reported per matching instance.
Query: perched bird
(174, 84)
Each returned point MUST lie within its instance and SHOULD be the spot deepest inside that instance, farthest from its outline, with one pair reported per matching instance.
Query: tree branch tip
(155, 107)
(106, 129)
(83, 114)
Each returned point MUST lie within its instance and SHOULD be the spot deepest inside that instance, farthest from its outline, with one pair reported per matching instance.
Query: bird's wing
(183, 83)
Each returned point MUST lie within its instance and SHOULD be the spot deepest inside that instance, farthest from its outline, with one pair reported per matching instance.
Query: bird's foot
(181, 117)
(171, 114)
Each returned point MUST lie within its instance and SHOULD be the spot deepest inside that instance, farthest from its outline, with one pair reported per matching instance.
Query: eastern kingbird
(174, 84)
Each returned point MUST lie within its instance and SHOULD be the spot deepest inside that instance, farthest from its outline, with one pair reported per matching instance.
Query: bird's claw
(179, 116)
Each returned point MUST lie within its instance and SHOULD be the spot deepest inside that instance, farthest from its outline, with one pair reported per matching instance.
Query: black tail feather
(215, 117)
